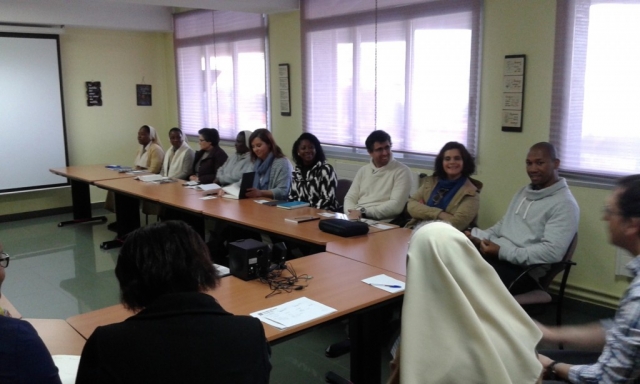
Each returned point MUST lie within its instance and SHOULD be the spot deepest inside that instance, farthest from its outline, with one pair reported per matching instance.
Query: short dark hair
(176, 129)
(162, 258)
(316, 143)
(211, 135)
(629, 197)
(468, 163)
(547, 148)
(267, 137)
(377, 136)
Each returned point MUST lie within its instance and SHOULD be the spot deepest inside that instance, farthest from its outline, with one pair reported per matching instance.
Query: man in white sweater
(538, 227)
(381, 188)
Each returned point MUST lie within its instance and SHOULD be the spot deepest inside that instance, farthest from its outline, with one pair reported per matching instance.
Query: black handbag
(344, 228)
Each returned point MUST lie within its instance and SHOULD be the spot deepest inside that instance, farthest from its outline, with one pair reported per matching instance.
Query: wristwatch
(363, 212)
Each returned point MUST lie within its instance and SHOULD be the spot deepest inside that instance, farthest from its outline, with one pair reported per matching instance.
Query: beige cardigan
(464, 205)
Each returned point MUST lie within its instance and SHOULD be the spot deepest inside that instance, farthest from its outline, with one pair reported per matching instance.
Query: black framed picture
(143, 94)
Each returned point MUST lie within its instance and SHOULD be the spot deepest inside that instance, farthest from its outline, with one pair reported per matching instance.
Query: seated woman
(150, 154)
(450, 194)
(459, 323)
(180, 334)
(273, 169)
(209, 158)
(314, 180)
(232, 170)
(178, 160)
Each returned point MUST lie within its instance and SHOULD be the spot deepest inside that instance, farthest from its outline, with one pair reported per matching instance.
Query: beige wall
(121, 59)
(107, 134)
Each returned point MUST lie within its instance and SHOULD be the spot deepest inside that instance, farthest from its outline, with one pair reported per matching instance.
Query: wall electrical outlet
(622, 259)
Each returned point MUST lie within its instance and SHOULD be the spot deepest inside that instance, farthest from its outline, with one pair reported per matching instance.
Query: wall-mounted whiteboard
(32, 131)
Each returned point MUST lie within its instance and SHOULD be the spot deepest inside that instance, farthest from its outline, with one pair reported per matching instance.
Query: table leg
(127, 217)
(364, 332)
(81, 198)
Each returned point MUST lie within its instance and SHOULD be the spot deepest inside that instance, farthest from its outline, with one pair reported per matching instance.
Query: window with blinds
(221, 71)
(409, 67)
(594, 119)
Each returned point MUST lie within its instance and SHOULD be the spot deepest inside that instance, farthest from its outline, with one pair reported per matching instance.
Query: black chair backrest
(341, 192)
(556, 268)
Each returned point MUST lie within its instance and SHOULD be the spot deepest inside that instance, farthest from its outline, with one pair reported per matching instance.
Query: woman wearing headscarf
(314, 180)
(450, 194)
(459, 322)
(178, 159)
(149, 158)
(272, 168)
(150, 154)
(232, 170)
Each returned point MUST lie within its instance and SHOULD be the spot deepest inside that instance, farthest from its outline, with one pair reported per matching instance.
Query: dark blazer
(179, 338)
(207, 169)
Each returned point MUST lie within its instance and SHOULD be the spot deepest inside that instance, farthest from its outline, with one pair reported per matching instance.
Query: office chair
(341, 192)
(540, 297)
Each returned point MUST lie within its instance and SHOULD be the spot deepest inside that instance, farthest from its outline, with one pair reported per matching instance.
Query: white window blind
(594, 121)
(409, 67)
(221, 71)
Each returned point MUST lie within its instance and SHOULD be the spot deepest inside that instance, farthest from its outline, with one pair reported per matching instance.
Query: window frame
(233, 38)
(407, 15)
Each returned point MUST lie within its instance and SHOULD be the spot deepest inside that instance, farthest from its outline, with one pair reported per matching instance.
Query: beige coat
(464, 205)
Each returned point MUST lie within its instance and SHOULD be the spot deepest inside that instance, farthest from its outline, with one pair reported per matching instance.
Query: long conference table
(337, 273)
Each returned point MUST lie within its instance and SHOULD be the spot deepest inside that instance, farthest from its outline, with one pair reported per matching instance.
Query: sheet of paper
(262, 201)
(479, 233)
(385, 282)
(209, 197)
(191, 183)
(209, 187)
(67, 367)
(382, 226)
(293, 313)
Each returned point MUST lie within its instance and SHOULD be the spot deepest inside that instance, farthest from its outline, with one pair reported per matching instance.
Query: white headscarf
(459, 322)
(247, 135)
(154, 136)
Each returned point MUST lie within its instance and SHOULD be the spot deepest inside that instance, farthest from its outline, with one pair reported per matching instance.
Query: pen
(386, 285)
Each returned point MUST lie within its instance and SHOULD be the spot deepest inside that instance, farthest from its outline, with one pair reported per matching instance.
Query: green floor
(60, 272)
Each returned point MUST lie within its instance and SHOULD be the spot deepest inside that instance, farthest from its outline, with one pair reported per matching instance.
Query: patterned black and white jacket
(317, 186)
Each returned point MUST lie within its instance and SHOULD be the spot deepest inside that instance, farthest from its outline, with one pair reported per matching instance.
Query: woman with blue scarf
(449, 194)
(272, 168)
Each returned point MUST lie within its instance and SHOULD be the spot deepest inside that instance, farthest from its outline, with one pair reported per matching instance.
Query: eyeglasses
(608, 211)
(4, 259)
(386, 148)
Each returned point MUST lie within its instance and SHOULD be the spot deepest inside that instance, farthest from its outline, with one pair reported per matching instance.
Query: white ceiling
(140, 15)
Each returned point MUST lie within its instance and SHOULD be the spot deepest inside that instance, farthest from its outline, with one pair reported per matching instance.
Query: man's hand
(489, 248)
(354, 214)
(473, 239)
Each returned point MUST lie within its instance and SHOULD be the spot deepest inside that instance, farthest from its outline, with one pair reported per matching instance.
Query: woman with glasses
(314, 180)
(449, 194)
(180, 334)
(23, 356)
(209, 158)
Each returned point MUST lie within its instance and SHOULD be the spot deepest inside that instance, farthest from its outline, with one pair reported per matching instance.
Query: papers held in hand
(301, 219)
(239, 190)
(293, 205)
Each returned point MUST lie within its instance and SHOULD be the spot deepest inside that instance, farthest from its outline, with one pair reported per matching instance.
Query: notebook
(239, 190)
(293, 205)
